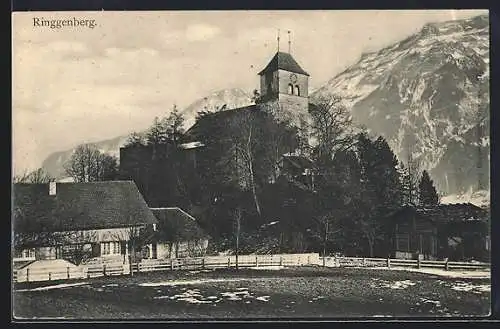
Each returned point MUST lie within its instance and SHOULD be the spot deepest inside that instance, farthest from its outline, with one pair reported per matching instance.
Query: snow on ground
(57, 286)
(436, 303)
(392, 285)
(189, 282)
(263, 298)
(475, 288)
(477, 274)
(267, 268)
(194, 296)
(478, 198)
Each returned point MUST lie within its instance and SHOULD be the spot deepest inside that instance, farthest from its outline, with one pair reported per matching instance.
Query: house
(298, 168)
(77, 221)
(453, 231)
(180, 234)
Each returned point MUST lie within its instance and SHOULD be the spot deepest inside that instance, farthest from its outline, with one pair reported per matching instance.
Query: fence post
(171, 264)
(446, 266)
(27, 275)
(256, 261)
(67, 271)
(281, 260)
(104, 269)
(203, 263)
(388, 262)
(418, 262)
(364, 262)
(50, 276)
(228, 262)
(308, 259)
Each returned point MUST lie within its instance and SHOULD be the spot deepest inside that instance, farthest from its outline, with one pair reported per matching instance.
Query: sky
(79, 84)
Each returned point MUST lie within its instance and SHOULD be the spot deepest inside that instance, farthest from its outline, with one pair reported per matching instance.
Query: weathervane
(278, 40)
(289, 43)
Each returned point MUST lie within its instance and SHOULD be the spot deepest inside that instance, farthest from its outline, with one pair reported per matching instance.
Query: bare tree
(38, 176)
(196, 248)
(88, 164)
(237, 232)
(331, 126)
(134, 237)
(244, 139)
(76, 244)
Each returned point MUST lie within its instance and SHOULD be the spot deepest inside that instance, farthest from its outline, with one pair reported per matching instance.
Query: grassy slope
(293, 293)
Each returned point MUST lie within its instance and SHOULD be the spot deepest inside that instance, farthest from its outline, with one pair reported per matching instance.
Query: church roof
(283, 61)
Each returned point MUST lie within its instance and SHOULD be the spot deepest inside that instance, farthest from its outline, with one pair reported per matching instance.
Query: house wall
(93, 241)
(182, 249)
(414, 235)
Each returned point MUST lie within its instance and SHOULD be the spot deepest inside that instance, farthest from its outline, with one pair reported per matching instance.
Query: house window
(297, 90)
(26, 253)
(290, 89)
(110, 248)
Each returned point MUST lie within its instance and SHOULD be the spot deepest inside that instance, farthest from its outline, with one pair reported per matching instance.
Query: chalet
(75, 221)
(298, 168)
(183, 235)
(453, 231)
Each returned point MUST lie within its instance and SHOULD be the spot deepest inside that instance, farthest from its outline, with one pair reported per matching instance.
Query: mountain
(479, 198)
(428, 95)
(232, 98)
(54, 163)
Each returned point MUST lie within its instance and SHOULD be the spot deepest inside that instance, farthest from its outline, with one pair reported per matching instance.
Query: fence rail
(215, 262)
(121, 268)
(394, 262)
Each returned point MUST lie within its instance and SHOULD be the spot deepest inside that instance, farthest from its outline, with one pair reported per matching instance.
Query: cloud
(201, 32)
(130, 54)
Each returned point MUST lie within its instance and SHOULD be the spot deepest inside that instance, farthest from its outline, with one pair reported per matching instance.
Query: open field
(307, 292)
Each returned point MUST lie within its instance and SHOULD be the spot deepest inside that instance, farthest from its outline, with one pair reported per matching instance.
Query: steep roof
(79, 206)
(283, 61)
(212, 122)
(298, 161)
(449, 213)
(179, 224)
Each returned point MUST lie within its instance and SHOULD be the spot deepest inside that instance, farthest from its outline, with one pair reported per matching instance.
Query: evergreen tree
(173, 125)
(156, 133)
(134, 139)
(380, 190)
(427, 192)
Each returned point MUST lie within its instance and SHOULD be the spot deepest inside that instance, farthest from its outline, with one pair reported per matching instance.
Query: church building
(283, 98)
(208, 153)
(284, 93)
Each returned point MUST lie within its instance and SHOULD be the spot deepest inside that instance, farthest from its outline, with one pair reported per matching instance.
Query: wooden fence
(244, 261)
(120, 268)
(408, 263)
(47, 274)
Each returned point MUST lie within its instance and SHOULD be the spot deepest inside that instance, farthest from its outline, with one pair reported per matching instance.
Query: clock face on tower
(293, 78)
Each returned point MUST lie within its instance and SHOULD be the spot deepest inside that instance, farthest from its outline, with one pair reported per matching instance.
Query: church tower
(285, 83)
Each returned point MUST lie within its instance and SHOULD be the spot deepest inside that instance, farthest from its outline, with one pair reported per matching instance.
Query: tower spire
(278, 40)
(289, 43)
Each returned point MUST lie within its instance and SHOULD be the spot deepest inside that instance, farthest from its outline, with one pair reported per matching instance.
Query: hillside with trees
(243, 197)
